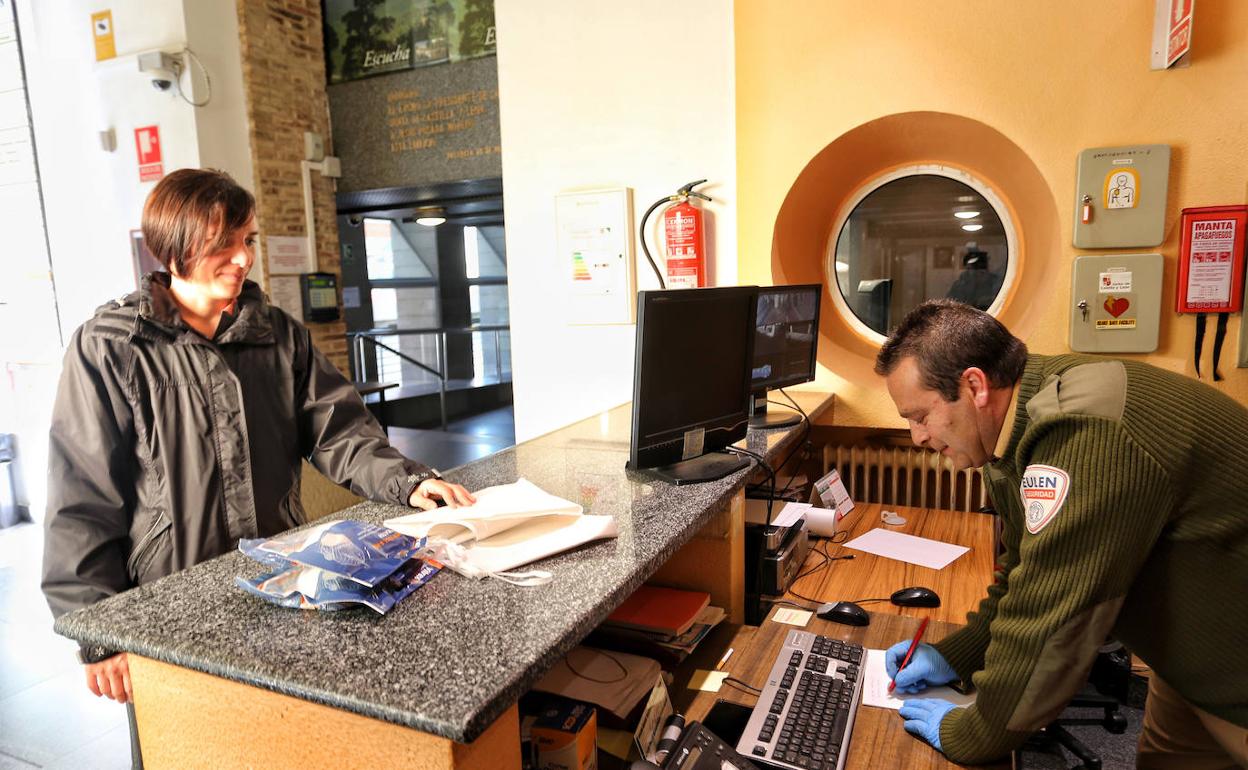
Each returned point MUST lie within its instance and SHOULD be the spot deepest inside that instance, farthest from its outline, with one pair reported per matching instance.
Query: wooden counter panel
(190, 719)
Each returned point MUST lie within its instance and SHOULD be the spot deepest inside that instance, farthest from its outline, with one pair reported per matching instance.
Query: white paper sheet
(933, 554)
(790, 513)
(875, 688)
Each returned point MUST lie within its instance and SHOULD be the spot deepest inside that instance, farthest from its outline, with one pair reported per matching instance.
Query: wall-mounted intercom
(320, 296)
(1120, 196)
(1115, 303)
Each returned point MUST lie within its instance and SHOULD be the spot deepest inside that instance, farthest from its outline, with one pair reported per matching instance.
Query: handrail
(383, 331)
(405, 357)
(358, 337)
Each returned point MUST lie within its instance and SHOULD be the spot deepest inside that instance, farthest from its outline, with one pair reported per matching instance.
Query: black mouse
(915, 596)
(844, 612)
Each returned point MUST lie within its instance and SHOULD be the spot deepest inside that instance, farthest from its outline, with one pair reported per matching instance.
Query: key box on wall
(1120, 196)
(1115, 303)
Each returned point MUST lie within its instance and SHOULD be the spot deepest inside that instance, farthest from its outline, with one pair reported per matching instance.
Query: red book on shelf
(659, 610)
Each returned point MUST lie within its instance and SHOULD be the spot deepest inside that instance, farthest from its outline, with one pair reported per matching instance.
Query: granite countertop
(456, 654)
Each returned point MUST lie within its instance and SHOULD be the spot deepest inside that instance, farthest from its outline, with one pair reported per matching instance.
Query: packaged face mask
(355, 550)
(312, 588)
(337, 565)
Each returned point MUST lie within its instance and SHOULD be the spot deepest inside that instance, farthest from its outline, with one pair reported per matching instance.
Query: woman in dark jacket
(184, 411)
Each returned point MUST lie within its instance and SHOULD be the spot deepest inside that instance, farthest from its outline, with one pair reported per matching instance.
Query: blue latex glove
(927, 668)
(923, 717)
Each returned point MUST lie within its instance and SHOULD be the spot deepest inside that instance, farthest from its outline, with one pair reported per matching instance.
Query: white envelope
(509, 526)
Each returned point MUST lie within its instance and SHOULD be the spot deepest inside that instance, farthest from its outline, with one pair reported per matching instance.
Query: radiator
(895, 475)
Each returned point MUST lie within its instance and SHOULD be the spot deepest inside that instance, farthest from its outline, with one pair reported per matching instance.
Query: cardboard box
(565, 733)
(620, 747)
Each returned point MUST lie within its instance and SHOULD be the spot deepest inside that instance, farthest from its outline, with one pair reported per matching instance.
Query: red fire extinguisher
(684, 239)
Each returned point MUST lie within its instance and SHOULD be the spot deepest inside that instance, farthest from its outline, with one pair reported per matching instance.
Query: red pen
(913, 645)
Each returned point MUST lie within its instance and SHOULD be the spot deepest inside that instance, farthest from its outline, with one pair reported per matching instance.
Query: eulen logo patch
(1044, 490)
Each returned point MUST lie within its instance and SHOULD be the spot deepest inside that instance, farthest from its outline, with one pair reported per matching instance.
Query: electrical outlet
(313, 146)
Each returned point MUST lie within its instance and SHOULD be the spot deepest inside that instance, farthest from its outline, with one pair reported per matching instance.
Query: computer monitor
(691, 381)
(786, 335)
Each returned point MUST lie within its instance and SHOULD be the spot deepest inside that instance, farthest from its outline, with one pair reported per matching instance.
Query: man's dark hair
(946, 338)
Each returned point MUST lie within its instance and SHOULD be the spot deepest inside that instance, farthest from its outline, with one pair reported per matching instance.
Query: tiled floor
(464, 440)
(48, 718)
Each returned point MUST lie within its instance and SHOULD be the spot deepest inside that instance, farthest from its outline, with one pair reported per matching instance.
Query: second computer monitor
(786, 337)
(691, 384)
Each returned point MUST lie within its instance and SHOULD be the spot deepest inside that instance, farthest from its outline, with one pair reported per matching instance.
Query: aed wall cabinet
(320, 296)
(1120, 196)
(1115, 303)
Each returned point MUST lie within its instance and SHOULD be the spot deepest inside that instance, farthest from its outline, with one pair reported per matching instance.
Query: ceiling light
(966, 199)
(966, 214)
(429, 217)
(968, 228)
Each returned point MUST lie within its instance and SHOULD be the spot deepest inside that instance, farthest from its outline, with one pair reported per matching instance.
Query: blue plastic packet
(355, 550)
(312, 588)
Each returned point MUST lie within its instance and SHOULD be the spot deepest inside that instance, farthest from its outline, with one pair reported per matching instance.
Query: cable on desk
(801, 444)
(827, 559)
(771, 474)
(751, 689)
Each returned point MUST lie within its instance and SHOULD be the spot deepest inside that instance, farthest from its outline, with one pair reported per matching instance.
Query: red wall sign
(1179, 31)
(1211, 259)
(147, 142)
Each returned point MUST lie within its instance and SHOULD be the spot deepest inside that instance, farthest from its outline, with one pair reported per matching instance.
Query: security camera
(161, 67)
(355, 220)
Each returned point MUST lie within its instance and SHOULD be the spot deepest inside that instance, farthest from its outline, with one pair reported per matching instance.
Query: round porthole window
(915, 234)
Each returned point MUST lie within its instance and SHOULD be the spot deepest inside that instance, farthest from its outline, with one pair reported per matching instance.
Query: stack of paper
(616, 681)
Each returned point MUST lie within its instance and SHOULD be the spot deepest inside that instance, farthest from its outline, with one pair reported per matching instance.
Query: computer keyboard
(806, 710)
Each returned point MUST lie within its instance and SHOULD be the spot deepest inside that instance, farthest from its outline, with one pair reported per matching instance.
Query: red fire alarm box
(1211, 260)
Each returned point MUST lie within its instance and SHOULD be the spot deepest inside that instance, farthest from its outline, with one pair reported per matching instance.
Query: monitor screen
(691, 381)
(785, 336)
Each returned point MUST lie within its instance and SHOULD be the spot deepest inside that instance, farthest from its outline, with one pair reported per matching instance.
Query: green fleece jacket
(1123, 494)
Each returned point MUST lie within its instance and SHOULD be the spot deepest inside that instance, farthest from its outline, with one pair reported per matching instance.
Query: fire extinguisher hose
(657, 272)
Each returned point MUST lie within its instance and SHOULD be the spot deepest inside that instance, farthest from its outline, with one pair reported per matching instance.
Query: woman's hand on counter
(430, 491)
(110, 678)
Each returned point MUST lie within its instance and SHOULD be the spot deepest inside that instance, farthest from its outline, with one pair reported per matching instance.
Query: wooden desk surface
(960, 585)
(879, 739)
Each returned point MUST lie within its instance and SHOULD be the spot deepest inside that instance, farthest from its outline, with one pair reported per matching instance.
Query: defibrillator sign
(1043, 490)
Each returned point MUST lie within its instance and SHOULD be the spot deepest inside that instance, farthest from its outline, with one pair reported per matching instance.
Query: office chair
(1056, 734)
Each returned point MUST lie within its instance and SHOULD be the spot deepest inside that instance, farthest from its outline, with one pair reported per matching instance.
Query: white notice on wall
(1116, 280)
(284, 292)
(350, 296)
(595, 248)
(1209, 271)
(288, 255)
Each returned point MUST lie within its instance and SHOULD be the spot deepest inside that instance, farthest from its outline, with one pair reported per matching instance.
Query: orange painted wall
(1053, 78)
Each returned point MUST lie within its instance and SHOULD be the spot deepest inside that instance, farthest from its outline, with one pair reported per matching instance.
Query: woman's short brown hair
(193, 212)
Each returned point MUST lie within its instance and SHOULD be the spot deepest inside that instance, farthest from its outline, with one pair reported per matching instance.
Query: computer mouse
(844, 612)
(915, 596)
